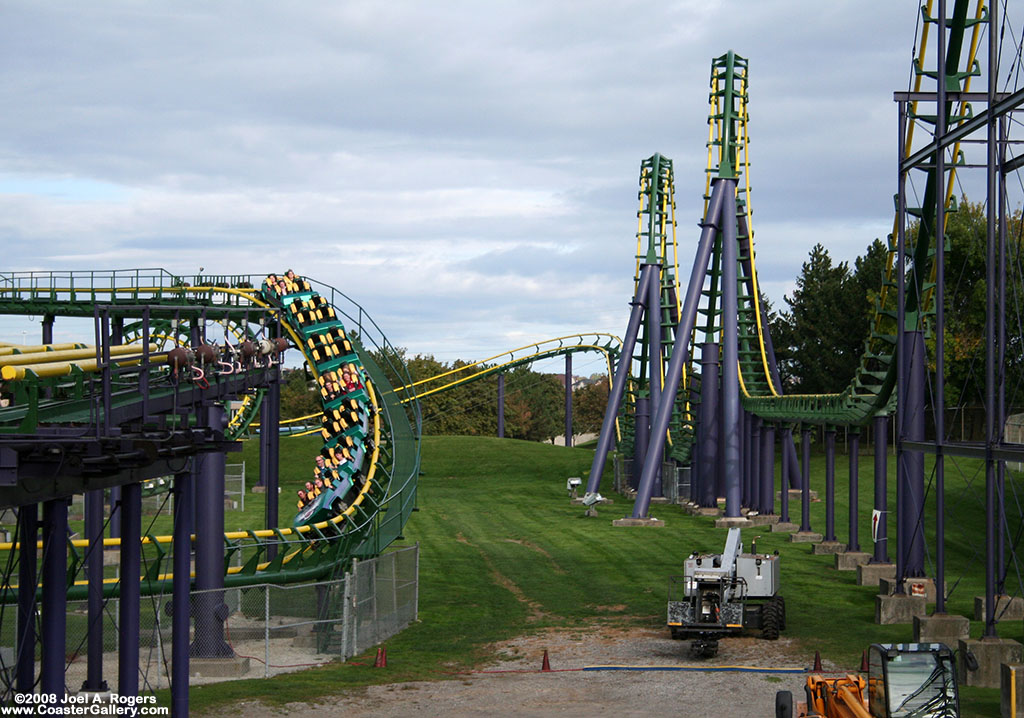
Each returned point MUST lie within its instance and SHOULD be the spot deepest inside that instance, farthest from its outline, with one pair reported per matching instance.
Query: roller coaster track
(379, 480)
(871, 390)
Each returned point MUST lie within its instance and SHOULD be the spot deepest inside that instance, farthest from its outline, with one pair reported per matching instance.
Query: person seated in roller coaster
(331, 389)
(271, 281)
(302, 499)
(311, 490)
(351, 381)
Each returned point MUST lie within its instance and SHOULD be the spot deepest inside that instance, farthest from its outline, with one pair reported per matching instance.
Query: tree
(298, 396)
(824, 329)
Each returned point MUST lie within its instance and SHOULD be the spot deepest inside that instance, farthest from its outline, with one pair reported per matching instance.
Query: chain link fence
(256, 631)
(1014, 433)
(675, 480)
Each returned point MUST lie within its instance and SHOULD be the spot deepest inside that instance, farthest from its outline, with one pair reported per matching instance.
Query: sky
(466, 171)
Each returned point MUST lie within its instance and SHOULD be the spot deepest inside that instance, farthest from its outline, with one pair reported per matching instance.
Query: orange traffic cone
(546, 664)
(817, 663)
(864, 662)
(382, 658)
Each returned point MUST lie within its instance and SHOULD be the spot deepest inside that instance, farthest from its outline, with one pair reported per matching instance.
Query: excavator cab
(915, 680)
(904, 680)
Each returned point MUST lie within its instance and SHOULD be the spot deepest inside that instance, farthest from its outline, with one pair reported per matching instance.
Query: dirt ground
(515, 686)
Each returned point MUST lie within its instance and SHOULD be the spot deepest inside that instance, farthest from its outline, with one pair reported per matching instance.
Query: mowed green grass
(504, 553)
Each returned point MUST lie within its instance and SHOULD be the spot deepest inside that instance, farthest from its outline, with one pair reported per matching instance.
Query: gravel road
(569, 692)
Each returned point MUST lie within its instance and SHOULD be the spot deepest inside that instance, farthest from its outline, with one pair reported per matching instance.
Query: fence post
(266, 630)
(346, 615)
(416, 584)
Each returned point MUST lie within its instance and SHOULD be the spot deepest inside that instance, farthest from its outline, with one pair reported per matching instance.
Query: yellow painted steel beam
(49, 357)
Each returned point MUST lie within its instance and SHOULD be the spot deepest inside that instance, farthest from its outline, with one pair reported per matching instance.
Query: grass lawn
(504, 553)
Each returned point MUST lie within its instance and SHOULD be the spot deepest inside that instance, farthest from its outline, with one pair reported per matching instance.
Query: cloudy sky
(467, 171)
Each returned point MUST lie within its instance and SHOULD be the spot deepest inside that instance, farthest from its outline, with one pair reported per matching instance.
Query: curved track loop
(379, 477)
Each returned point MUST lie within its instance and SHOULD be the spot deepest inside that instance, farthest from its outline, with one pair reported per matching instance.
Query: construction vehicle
(904, 680)
(724, 594)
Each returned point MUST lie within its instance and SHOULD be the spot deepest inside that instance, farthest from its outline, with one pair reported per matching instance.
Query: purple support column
(654, 369)
(755, 463)
(272, 494)
(54, 599)
(794, 476)
(180, 608)
(854, 541)
(568, 399)
(992, 430)
(767, 505)
(501, 406)
(698, 429)
(722, 190)
(28, 537)
(805, 478)
(730, 394)
(830, 483)
(209, 608)
(130, 593)
(94, 573)
(881, 532)
(607, 435)
(910, 509)
(708, 454)
(783, 487)
(266, 437)
(641, 437)
(745, 462)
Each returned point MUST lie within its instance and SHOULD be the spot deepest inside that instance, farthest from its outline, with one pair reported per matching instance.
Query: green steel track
(387, 496)
(871, 391)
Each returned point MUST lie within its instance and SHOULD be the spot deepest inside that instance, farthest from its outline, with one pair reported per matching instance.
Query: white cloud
(466, 171)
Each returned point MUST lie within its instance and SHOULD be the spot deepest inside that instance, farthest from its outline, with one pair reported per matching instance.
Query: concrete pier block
(900, 608)
(805, 537)
(869, 574)
(1012, 684)
(911, 586)
(709, 511)
(850, 560)
(828, 547)
(732, 522)
(784, 527)
(1008, 608)
(763, 519)
(798, 494)
(627, 521)
(991, 653)
(941, 628)
(229, 667)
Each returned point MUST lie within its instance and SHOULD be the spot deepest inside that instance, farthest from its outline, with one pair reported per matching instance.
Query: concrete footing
(784, 527)
(763, 519)
(732, 522)
(230, 667)
(911, 586)
(869, 574)
(798, 494)
(900, 608)
(708, 511)
(991, 654)
(828, 547)
(1008, 608)
(805, 537)
(1012, 684)
(941, 628)
(627, 521)
(659, 500)
(850, 560)
(259, 489)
